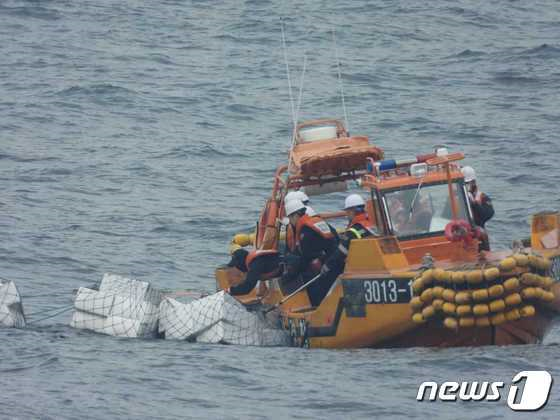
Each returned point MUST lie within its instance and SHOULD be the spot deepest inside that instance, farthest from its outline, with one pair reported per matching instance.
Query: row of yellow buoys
(494, 295)
(241, 240)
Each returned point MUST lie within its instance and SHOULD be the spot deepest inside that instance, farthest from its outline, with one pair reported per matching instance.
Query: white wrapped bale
(181, 321)
(94, 302)
(134, 289)
(11, 308)
(226, 333)
(275, 337)
(186, 321)
(126, 307)
(126, 327)
(218, 318)
(123, 285)
(121, 307)
(87, 321)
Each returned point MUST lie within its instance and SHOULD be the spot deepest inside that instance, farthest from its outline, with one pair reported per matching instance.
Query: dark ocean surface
(137, 137)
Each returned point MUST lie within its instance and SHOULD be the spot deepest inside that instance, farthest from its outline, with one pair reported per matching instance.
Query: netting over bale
(125, 307)
(218, 318)
(11, 308)
(120, 306)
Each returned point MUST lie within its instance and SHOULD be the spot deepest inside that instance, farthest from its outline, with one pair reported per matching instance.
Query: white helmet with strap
(296, 195)
(353, 200)
(293, 206)
(468, 173)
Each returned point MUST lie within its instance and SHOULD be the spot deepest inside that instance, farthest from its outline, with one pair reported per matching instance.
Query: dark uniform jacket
(359, 227)
(259, 265)
(482, 208)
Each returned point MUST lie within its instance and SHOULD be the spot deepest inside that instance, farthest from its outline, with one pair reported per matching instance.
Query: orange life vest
(362, 219)
(257, 253)
(315, 223)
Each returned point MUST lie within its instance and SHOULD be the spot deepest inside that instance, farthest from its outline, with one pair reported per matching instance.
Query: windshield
(422, 210)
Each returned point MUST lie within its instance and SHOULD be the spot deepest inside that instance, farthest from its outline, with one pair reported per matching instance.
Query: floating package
(218, 318)
(11, 309)
(121, 307)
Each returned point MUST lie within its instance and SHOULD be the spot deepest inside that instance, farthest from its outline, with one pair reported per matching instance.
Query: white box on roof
(323, 132)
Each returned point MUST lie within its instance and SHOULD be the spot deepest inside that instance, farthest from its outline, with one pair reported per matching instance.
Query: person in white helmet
(359, 226)
(290, 230)
(314, 241)
(300, 195)
(481, 204)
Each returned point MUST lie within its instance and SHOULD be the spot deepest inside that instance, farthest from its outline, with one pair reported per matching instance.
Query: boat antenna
(340, 81)
(300, 95)
(294, 133)
(288, 73)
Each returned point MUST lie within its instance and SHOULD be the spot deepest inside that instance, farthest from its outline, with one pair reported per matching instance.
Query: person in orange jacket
(258, 264)
(314, 241)
(291, 230)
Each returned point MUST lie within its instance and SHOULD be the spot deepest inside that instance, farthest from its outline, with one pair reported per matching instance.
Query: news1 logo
(529, 391)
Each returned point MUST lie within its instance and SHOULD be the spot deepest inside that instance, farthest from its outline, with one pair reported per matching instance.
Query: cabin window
(423, 210)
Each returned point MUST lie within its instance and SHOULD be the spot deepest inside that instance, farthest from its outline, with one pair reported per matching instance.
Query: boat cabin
(420, 202)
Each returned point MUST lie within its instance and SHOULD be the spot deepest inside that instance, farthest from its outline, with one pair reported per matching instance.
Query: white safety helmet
(292, 195)
(293, 206)
(353, 200)
(302, 196)
(296, 195)
(468, 173)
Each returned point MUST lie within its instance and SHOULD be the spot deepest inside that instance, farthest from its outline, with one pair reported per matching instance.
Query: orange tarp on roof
(332, 157)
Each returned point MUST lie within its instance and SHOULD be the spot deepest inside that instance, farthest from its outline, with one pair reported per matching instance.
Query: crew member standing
(481, 205)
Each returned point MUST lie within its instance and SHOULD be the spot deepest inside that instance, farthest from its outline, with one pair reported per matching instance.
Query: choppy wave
(31, 11)
(95, 90)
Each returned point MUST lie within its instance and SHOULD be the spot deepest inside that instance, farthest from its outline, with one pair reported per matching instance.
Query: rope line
(61, 311)
(340, 81)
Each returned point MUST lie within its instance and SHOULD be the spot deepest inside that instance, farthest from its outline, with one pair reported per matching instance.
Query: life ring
(267, 235)
(459, 230)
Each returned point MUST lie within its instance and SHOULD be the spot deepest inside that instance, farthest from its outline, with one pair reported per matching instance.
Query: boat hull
(346, 319)
(530, 330)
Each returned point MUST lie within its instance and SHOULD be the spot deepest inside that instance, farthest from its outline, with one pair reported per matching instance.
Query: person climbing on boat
(359, 226)
(481, 205)
(315, 241)
(258, 264)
